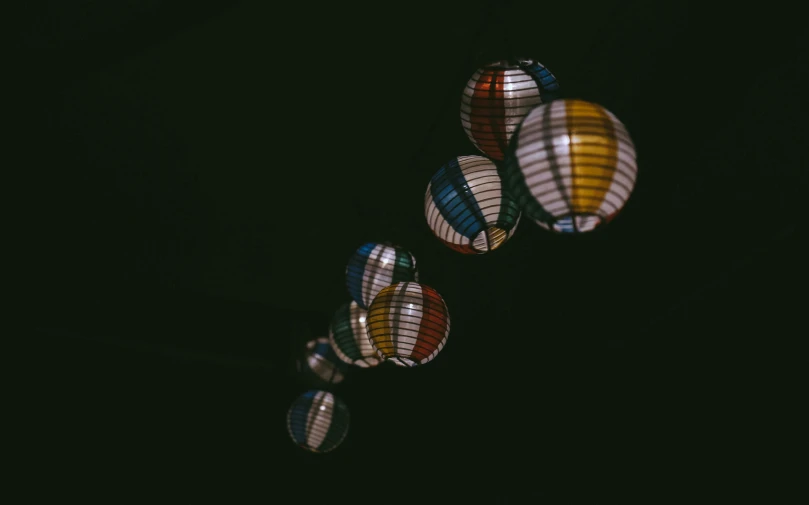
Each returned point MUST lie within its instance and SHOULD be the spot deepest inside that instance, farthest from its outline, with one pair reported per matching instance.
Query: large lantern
(348, 336)
(318, 421)
(466, 208)
(375, 266)
(408, 323)
(571, 166)
(322, 361)
(497, 98)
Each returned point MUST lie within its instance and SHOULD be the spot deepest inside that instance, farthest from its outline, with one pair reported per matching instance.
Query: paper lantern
(318, 421)
(572, 166)
(375, 266)
(466, 207)
(349, 339)
(408, 323)
(322, 361)
(497, 98)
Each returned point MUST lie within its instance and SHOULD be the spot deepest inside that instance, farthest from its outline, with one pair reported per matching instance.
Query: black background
(203, 170)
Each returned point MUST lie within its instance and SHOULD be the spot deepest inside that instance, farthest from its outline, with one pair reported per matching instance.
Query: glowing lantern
(348, 336)
(375, 266)
(466, 207)
(497, 98)
(322, 361)
(408, 323)
(318, 421)
(571, 166)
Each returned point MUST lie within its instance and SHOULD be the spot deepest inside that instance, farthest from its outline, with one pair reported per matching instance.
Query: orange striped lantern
(497, 98)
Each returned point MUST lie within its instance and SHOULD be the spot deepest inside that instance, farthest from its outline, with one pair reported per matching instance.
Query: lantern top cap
(511, 63)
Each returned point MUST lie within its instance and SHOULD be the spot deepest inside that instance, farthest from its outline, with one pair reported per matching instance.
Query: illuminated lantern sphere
(466, 207)
(497, 98)
(349, 339)
(571, 166)
(375, 266)
(408, 323)
(322, 361)
(318, 421)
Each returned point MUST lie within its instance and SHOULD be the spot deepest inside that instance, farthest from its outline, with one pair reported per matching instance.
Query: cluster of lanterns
(567, 165)
(391, 317)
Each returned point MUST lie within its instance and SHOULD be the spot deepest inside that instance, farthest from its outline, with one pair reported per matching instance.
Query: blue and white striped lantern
(322, 361)
(375, 266)
(318, 421)
(467, 208)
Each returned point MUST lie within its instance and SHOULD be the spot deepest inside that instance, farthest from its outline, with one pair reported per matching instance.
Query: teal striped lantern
(349, 339)
(375, 266)
(467, 208)
(318, 421)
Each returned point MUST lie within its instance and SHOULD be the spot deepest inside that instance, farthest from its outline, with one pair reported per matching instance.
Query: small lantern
(322, 361)
(466, 208)
(497, 98)
(375, 266)
(408, 323)
(318, 421)
(349, 339)
(571, 167)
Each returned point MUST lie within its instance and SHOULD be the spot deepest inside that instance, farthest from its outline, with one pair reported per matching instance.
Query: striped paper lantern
(497, 98)
(466, 208)
(572, 166)
(348, 336)
(408, 323)
(318, 421)
(322, 361)
(375, 266)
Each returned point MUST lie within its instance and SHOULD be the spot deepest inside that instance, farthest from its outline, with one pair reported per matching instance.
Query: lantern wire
(494, 15)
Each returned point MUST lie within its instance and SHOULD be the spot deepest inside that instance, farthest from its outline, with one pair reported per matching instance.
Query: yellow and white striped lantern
(571, 166)
(408, 323)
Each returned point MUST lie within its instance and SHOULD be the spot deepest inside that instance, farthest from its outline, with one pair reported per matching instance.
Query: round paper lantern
(572, 166)
(466, 207)
(348, 336)
(322, 361)
(375, 266)
(408, 323)
(318, 421)
(497, 98)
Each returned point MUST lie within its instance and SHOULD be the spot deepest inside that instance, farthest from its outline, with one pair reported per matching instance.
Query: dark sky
(203, 171)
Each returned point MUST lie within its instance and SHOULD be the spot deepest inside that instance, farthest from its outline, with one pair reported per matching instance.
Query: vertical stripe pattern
(318, 421)
(408, 323)
(348, 336)
(572, 166)
(375, 266)
(322, 361)
(498, 96)
(466, 207)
